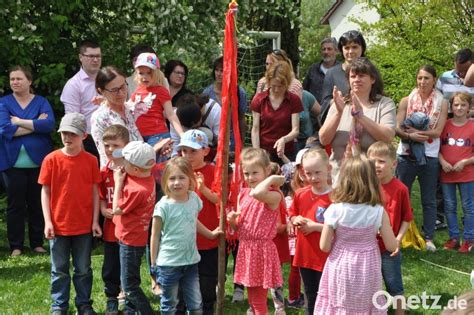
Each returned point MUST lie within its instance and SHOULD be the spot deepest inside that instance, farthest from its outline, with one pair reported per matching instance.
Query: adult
(308, 130)
(176, 72)
(275, 113)
(26, 121)
(111, 84)
(314, 80)
(425, 99)
(452, 81)
(276, 55)
(361, 118)
(352, 45)
(213, 91)
(79, 91)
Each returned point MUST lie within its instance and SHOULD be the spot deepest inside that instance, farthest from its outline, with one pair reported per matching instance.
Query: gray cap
(73, 122)
(138, 153)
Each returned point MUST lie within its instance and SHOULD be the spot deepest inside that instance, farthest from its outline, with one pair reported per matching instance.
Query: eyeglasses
(117, 90)
(179, 73)
(92, 56)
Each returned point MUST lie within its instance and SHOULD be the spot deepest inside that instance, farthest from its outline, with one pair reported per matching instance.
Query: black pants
(111, 269)
(208, 271)
(24, 202)
(311, 280)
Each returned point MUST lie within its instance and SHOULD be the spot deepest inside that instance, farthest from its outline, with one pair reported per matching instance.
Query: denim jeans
(24, 204)
(450, 208)
(154, 139)
(62, 247)
(186, 278)
(408, 171)
(392, 273)
(130, 261)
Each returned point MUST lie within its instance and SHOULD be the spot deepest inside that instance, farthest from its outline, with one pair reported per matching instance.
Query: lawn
(24, 280)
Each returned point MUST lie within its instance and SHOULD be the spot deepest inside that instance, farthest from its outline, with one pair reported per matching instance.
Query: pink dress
(352, 274)
(257, 264)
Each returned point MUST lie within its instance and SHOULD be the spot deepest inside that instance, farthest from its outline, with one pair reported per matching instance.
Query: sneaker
(430, 246)
(466, 247)
(280, 311)
(121, 298)
(112, 307)
(238, 295)
(451, 244)
(439, 225)
(85, 309)
(249, 311)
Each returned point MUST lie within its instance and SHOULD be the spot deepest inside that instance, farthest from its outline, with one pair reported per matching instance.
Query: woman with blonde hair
(275, 114)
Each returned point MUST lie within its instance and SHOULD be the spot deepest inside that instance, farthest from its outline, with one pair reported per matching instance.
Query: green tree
(413, 33)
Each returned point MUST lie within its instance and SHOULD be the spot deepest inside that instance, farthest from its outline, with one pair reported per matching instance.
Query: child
(134, 197)
(258, 266)
(350, 228)
(396, 199)
(174, 254)
(194, 148)
(306, 216)
(114, 137)
(70, 202)
(456, 157)
(150, 80)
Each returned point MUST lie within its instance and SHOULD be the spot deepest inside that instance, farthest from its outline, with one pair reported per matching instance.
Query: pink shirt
(77, 95)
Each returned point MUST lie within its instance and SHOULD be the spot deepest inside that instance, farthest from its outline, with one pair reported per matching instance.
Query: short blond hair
(157, 77)
(382, 148)
(315, 153)
(184, 166)
(357, 183)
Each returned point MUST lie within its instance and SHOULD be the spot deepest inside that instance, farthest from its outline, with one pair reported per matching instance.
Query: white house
(339, 17)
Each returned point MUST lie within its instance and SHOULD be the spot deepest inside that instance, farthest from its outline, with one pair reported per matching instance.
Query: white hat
(138, 153)
(149, 60)
(299, 156)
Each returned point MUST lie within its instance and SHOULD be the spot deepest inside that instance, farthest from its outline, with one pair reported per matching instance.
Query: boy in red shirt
(194, 147)
(114, 137)
(132, 207)
(70, 202)
(397, 204)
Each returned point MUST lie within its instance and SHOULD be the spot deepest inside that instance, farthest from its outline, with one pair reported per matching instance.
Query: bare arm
(155, 239)
(293, 134)
(316, 108)
(204, 231)
(171, 116)
(386, 232)
(45, 204)
(401, 114)
(96, 230)
(325, 242)
(119, 179)
(328, 130)
(22, 131)
(263, 193)
(204, 190)
(255, 133)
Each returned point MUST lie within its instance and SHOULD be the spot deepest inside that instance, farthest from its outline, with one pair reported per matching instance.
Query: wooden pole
(222, 220)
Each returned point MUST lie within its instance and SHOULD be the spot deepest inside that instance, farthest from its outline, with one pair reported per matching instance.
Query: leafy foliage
(413, 33)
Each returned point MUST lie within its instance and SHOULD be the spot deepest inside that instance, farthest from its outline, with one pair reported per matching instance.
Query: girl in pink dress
(257, 264)
(353, 270)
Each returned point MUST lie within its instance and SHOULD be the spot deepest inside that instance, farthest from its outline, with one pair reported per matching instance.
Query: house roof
(325, 19)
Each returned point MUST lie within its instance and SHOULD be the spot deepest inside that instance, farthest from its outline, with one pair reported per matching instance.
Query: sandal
(40, 250)
(16, 252)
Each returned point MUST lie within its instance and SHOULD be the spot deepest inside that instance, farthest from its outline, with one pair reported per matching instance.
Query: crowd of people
(324, 187)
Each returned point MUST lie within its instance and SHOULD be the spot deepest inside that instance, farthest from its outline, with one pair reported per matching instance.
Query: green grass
(24, 280)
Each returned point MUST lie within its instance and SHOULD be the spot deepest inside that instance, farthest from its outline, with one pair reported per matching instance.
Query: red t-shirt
(152, 122)
(281, 240)
(106, 192)
(396, 200)
(308, 254)
(457, 143)
(275, 124)
(137, 202)
(71, 180)
(208, 215)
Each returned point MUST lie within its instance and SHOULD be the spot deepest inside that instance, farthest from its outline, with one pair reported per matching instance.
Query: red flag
(230, 101)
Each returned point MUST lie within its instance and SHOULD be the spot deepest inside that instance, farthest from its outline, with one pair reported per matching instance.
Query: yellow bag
(413, 238)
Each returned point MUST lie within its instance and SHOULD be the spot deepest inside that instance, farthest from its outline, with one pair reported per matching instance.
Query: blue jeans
(450, 208)
(187, 279)
(130, 261)
(62, 247)
(408, 171)
(392, 273)
(154, 139)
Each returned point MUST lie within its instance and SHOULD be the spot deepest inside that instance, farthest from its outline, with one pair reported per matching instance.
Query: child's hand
(299, 220)
(232, 217)
(307, 227)
(48, 231)
(446, 166)
(459, 166)
(163, 147)
(107, 212)
(199, 180)
(216, 232)
(119, 175)
(96, 230)
(395, 253)
(290, 229)
(97, 100)
(277, 180)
